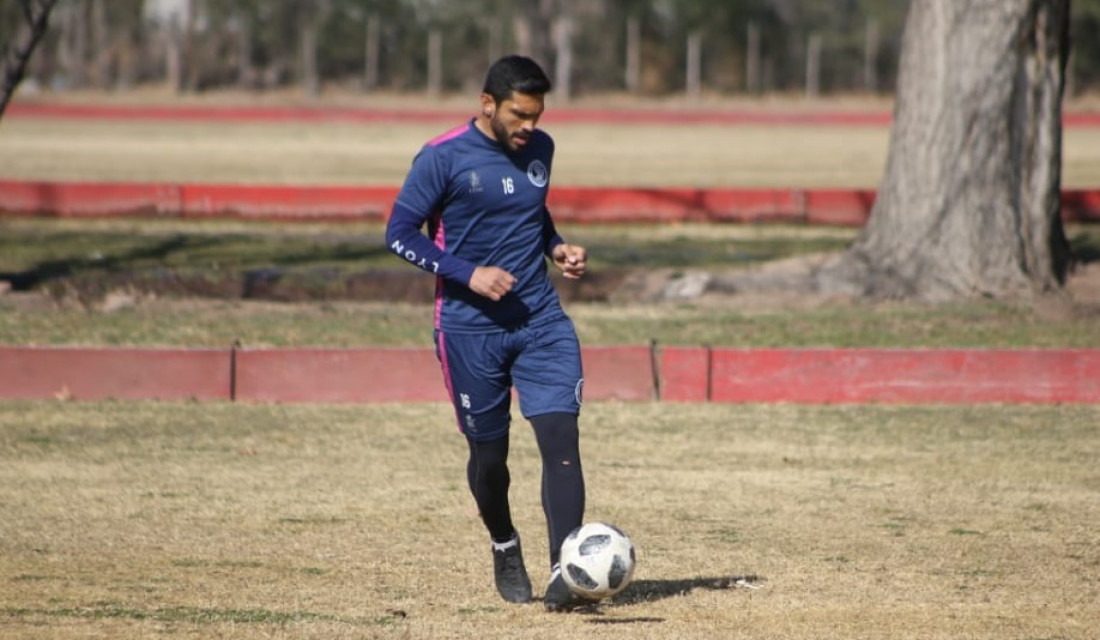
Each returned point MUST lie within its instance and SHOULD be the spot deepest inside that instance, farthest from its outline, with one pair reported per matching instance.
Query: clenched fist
(492, 282)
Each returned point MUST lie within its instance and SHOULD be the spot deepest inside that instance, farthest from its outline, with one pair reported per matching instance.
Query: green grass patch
(218, 283)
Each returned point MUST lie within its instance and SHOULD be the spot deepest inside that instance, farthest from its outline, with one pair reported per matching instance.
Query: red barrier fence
(131, 374)
(559, 114)
(113, 199)
(848, 207)
(629, 373)
(338, 375)
(949, 376)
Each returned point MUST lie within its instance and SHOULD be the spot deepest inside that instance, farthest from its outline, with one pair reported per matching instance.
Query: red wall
(98, 374)
(627, 373)
(638, 115)
(848, 207)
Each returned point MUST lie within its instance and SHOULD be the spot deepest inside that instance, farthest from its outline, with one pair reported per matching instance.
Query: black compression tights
(562, 480)
(562, 476)
(487, 473)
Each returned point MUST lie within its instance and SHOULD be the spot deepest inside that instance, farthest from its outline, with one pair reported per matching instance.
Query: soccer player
(481, 191)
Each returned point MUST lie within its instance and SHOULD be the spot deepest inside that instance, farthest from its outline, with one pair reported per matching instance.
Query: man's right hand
(492, 282)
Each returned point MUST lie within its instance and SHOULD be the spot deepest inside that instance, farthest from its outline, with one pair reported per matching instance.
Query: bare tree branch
(18, 52)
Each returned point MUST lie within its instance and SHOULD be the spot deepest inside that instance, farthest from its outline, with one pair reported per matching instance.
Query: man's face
(514, 119)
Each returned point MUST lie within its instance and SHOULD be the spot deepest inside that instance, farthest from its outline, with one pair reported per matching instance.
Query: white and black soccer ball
(597, 560)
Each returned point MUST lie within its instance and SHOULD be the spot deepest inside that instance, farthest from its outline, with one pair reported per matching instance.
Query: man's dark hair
(515, 73)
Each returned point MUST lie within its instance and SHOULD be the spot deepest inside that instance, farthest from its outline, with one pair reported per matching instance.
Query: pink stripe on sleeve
(440, 241)
(450, 135)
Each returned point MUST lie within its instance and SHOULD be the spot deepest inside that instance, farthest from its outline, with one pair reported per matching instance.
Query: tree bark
(563, 59)
(752, 59)
(373, 49)
(307, 54)
(190, 52)
(693, 65)
(533, 22)
(18, 52)
(435, 63)
(813, 66)
(101, 46)
(870, 57)
(632, 76)
(969, 204)
(173, 55)
(246, 70)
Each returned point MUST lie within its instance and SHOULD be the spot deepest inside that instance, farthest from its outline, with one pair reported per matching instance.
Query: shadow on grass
(644, 591)
(641, 591)
(1086, 246)
(50, 270)
(90, 255)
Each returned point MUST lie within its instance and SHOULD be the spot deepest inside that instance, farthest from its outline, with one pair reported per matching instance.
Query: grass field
(142, 520)
(217, 520)
(364, 154)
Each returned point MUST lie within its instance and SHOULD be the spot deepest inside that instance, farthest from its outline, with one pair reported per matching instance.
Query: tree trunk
(969, 202)
(752, 59)
(435, 63)
(870, 57)
(632, 77)
(494, 29)
(373, 48)
(173, 55)
(533, 22)
(190, 56)
(69, 45)
(307, 55)
(693, 66)
(312, 16)
(102, 46)
(813, 66)
(246, 71)
(563, 60)
(18, 52)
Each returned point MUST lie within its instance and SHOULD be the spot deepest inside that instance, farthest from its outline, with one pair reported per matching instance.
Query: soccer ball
(597, 560)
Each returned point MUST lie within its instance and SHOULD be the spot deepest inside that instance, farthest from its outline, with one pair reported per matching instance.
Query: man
(481, 190)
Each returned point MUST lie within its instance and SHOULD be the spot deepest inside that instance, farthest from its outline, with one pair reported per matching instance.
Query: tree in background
(1084, 68)
(969, 205)
(32, 16)
(590, 46)
(643, 47)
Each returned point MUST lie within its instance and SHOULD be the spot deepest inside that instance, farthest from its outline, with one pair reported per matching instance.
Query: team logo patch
(537, 173)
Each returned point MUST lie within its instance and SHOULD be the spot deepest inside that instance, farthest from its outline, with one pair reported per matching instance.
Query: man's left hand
(571, 259)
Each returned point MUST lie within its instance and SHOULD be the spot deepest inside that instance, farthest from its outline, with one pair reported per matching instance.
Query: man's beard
(500, 132)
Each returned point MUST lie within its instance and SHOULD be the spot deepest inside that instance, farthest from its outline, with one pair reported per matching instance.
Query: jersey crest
(537, 173)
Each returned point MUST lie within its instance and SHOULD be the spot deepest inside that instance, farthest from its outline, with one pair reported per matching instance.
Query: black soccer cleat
(560, 598)
(509, 572)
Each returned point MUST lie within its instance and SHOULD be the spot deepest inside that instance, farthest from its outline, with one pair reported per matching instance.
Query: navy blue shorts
(543, 363)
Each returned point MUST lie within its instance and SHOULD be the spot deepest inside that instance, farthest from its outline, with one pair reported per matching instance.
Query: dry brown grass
(234, 521)
(361, 154)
